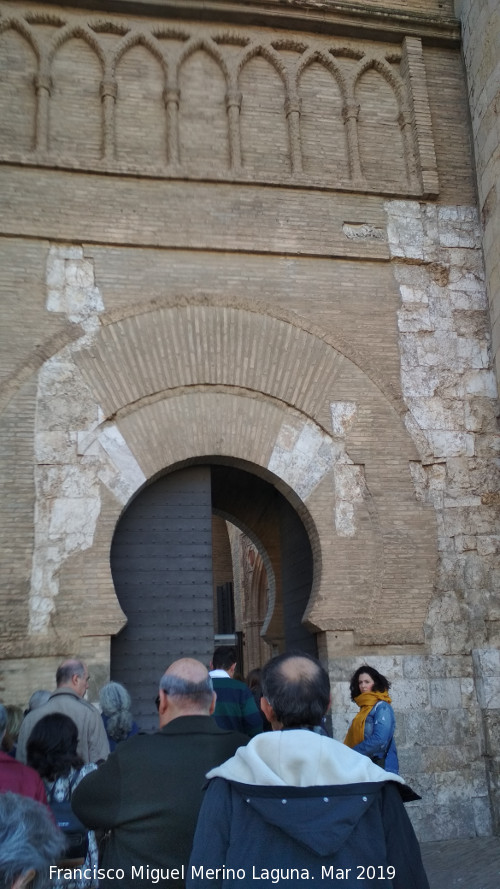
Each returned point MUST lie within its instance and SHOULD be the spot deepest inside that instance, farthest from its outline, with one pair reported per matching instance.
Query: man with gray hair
(16, 777)
(72, 680)
(30, 843)
(148, 792)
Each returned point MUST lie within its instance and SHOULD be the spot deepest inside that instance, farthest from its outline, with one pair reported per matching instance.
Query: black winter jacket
(342, 834)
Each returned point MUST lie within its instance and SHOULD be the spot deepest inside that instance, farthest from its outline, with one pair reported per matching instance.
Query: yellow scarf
(365, 702)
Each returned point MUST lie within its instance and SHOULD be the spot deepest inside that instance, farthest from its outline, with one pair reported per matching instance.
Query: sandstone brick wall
(259, 244)
(481, 41)
(480, 27)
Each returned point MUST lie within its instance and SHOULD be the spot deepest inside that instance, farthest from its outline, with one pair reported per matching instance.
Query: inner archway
(162, 559)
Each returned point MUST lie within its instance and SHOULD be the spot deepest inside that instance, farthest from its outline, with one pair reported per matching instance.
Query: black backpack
(77, 835)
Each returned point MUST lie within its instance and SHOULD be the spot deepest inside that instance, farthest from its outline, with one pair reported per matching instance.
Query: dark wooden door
(161, 561)
(297, 574)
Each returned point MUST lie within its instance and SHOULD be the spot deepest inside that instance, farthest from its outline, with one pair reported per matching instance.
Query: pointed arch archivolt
(204, 44)
(77, 32)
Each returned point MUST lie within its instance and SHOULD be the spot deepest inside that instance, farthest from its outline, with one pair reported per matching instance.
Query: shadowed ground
(463, 864)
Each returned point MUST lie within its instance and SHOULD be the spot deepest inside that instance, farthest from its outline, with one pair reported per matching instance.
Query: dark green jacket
(235, 707)
(148, 793)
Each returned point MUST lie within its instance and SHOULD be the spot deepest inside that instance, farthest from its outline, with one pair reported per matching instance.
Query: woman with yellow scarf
(372, 730)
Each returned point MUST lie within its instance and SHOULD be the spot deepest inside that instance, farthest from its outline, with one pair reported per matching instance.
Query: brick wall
(259, 244)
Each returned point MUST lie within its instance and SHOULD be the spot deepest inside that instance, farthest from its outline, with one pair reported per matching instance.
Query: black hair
(51, 748)
(298, 700)
(381, 683)
(224, 657)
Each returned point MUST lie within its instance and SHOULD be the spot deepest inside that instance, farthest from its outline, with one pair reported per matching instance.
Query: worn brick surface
(259, 243)
(481, 27)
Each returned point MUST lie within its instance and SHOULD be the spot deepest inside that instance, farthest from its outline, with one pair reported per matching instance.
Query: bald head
(73, 674)
(295, 668)
(297, 688)
(185, 690)
(189, 669)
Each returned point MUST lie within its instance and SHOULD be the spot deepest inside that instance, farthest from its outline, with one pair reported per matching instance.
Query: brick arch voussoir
(279, 328)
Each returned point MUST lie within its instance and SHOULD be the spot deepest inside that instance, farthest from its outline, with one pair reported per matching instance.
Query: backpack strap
(72, 783)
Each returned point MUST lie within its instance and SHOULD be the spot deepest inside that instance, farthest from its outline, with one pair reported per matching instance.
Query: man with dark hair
(72, 680)
(235, 708)
(148, 792)
(30, 843)
(295, 805)
(304, 697)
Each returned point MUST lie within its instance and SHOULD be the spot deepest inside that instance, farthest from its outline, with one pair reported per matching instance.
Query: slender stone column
(43, 88)
(233, 105)
(109, 92)
(172, 97)
(350, 114)
(292, 111)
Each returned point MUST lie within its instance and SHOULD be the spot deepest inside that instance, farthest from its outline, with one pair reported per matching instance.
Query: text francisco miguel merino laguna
(155, 874)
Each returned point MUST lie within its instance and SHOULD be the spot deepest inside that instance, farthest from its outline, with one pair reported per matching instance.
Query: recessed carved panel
(196, 100)
(264, 137)
(203, 121)
(18, 68)
(324, 147)
(139, 107)
(381, 147)
(75, 128)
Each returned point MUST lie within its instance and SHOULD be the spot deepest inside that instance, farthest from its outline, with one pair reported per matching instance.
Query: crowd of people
(241, 782)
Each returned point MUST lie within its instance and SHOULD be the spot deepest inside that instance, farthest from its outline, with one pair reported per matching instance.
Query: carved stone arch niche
(180, 382)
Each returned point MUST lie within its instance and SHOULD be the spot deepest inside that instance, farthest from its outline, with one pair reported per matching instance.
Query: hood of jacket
(311, 787)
